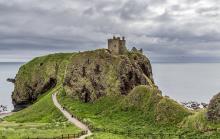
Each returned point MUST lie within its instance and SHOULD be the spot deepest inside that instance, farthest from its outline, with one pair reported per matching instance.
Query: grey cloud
(132, 10)
(185, 35)
(164, 29)
(209, 11)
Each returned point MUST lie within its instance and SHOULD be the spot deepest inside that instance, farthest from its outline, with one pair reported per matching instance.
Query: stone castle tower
(117, 45)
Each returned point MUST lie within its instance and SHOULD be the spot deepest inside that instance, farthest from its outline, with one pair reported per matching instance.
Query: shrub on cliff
(213, 113)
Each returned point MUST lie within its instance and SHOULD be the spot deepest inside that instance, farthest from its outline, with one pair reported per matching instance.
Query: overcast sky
(167, 30)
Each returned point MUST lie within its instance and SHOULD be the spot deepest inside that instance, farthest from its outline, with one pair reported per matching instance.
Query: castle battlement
(117, 45)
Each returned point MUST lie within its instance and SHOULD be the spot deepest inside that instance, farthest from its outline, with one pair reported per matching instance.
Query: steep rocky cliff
(36, 77)
(93, 74)
(85, 76)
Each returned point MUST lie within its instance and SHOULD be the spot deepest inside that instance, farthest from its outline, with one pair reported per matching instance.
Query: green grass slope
(10, 130)
(136, 113)
(44, 67)
(199, 124)
(43, 111)
(158, 109)
(42, 119)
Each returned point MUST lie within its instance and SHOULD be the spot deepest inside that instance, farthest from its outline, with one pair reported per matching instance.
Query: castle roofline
(118, 38)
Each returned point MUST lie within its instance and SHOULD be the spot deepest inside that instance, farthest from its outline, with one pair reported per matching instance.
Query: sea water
(180, 81)
(188, 81)
(7, 70)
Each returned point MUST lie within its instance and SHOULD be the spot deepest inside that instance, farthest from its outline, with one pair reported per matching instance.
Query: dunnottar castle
(117, 46)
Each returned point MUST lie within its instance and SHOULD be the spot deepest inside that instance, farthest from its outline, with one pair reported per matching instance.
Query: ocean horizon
(180, 81)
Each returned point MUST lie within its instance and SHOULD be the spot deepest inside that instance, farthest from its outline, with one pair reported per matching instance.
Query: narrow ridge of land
(71, 118)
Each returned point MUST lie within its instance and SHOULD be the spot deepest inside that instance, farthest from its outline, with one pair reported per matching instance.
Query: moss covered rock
(85, 75)
(93, 74)
(213, 113)
(37, 77)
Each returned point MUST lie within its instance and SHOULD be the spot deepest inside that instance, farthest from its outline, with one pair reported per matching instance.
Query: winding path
(72, 119)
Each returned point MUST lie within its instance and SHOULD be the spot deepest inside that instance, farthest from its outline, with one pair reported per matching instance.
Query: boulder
(213, 112)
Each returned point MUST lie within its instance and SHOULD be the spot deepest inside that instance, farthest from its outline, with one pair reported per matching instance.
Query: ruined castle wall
(122, 48)
(114, 45)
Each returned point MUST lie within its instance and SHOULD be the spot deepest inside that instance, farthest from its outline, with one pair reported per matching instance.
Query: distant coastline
(157, 62)
(153, 62)
(12, 62)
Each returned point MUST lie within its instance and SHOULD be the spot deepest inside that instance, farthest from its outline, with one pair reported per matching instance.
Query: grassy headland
(141, 110)
(41, 119)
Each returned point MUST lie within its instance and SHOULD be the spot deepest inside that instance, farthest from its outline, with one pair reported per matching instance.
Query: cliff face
(37, 77)
(91, 75)
(85, 76)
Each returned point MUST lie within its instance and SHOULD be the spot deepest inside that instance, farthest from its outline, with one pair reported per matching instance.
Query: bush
(213, 113)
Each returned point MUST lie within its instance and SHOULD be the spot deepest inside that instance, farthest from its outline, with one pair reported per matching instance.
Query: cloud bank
(167, 30)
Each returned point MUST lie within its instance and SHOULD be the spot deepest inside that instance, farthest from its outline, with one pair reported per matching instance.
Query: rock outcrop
(213, 113)
(86, 76)
(37, 77)
(11, 80)
(99, 73)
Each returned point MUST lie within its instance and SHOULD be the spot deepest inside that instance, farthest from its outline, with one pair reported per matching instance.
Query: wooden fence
(64, 136)
(131, 134)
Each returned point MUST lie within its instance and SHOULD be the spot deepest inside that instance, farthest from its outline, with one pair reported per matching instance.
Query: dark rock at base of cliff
(32, 93)
(11, 80)
(213, 113)
(18, 107)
